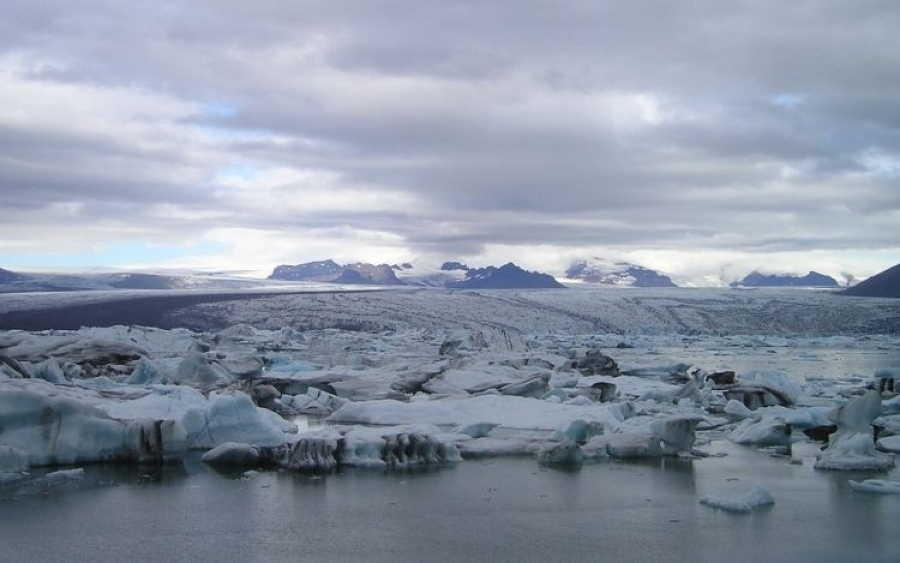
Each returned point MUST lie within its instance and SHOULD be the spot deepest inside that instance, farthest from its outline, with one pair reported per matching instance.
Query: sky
(701, 138)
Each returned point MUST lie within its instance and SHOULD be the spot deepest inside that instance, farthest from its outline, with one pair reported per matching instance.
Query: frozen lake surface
(493, 510)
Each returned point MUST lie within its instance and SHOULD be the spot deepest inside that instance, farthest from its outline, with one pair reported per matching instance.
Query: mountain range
(453, 275)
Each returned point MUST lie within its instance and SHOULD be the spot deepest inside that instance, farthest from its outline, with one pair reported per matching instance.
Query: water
(490, 510)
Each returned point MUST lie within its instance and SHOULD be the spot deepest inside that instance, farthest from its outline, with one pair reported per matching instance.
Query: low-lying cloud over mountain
(620, 274)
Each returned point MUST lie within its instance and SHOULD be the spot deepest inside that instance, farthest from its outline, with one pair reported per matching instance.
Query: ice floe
(755, 498)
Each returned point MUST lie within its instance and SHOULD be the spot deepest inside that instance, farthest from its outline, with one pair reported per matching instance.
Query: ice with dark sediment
(461, 375)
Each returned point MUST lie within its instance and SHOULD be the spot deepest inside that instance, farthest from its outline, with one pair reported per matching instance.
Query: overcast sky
(700, 137)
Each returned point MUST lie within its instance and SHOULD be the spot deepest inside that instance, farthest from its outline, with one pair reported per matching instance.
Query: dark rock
(264, 396)
(449, 346)
(820, 433)
(602, 392)
(754, 397)
(596, 362)
(721, 378)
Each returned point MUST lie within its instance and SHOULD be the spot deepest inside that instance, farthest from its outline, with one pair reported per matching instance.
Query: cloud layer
(703, 138)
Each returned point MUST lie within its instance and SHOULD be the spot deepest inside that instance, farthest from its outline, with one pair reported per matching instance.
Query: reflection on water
(498, 510)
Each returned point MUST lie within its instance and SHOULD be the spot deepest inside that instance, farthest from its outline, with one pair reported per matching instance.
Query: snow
(756, 497)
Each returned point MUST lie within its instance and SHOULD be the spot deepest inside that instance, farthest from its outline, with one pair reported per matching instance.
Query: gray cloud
(754, 127)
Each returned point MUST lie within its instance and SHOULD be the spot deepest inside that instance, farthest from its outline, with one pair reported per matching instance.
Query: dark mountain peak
(883, 284)
(450, 266)
(508, 276)
(812, 279)
(322, 270)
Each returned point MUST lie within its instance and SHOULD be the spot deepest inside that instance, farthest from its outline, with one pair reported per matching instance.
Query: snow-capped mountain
(812, 279)
(452, 275)
(620, 274)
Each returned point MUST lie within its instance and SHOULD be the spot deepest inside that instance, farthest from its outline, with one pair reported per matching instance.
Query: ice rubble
(404, 397)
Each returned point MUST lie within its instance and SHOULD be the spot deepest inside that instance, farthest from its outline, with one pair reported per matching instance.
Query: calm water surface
(497, 510)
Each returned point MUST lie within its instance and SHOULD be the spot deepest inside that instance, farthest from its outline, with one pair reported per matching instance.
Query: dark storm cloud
(743, 125)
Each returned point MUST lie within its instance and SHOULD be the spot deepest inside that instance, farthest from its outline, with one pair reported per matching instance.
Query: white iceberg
(879, 486)
(852, 446)
(764, 432)
(752, 499)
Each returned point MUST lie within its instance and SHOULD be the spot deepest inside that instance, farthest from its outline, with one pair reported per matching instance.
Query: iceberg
(63, 431)
(752, 499)
(879, 486)
(764, 432)
(852, 446)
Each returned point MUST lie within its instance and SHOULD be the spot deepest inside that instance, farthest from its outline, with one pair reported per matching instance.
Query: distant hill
(812, 279)
(508, 276)
(331, 272)
(7, 276)
(884, 284)
(619, 274)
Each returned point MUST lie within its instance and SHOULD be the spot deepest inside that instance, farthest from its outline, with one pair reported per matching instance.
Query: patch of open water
(496, 510)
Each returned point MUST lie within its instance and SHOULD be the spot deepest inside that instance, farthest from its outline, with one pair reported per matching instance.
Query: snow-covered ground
(430, 377)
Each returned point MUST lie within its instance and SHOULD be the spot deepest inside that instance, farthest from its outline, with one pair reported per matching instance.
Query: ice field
(714, 409)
